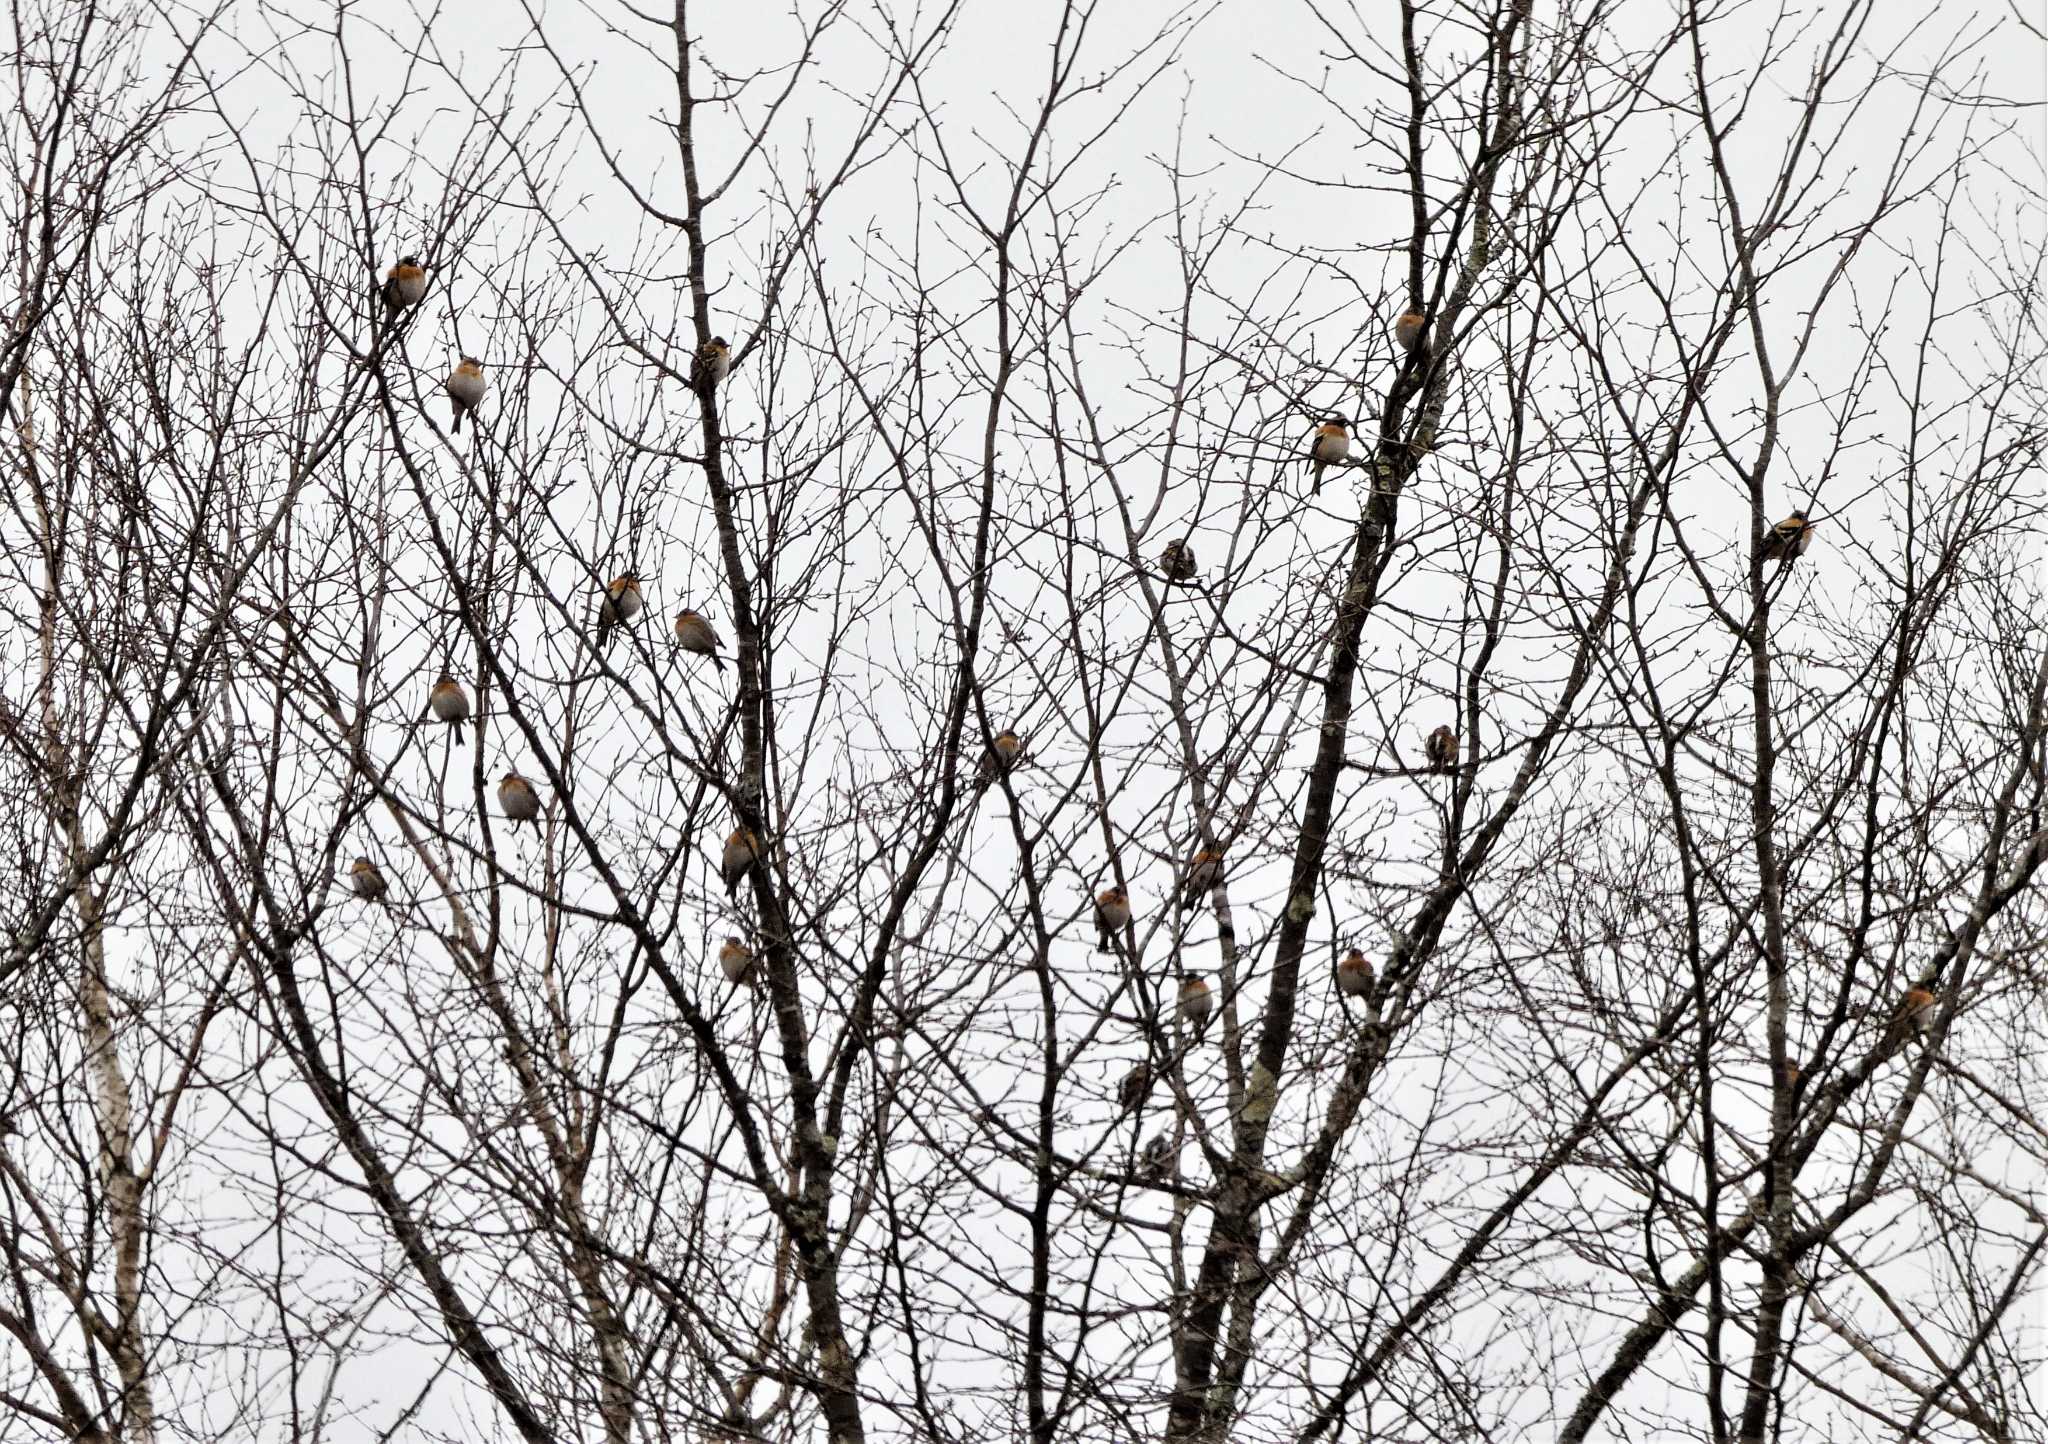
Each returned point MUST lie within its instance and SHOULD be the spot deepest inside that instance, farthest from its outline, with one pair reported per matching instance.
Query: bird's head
(511, 779)
(1354, 959)
(446, 679)
(733, 943)
(361, 865)
(717, 343)
(1115, 894)
(409, 260)
(1340, 422)
(472, 362)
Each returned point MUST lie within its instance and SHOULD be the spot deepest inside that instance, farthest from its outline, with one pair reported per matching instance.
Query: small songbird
(1330, 446)
(694, 635)
(404, 285)
(1178, 561)
(1112, 916)
(1791, 1074)
(1137, 1085)
(1411, 331)
(1354, 975)
(1158, 1157)
(465, 387)
(711, 364)
(1003, 751)
(1788, 540)
(741, 849)
(621, 603)
(1205, 870)
(369, 883)
(737, 961)
(1196, 1002)
(1915, 1016)
(448, 702)
(1441, 749)
(518, 799)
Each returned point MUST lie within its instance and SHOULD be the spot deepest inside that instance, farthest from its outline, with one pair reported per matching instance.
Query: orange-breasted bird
(620, 604)
(1135, 1088)
(736, 960)
(741, 848)
(1112, 916)
(1788, 540)
(1205, 870)
(1330, 446)
(1196, 1002)
(711, 364)
(1177, 562)
(694, 635)
(369, 883)
(1354, 975)
(448, 702)
(1441, 750)
(1914, 1017)
(1003, 751)
(465, 387)
(404, 285)
(1411, 331)
(518, 799)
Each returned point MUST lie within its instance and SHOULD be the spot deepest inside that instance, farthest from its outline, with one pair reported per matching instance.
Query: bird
(465, 387)
(1915, 1016)
(1791, 1074)
(448, 702)
(517, 797)
(1003, 751)
(711, 364)
(1205, 870)
(1441, 749)
(1354, 975)
(1112, 915)
(1157, 1158)
(737, 961)
(1196, 1002)
(1330, 446)
(741, 849)
(404, 285)
(1136, 1086)
(369, 883)
(621, 604)
(1178, 561)
(694, 634)
(1411, 331)
(1788, 540)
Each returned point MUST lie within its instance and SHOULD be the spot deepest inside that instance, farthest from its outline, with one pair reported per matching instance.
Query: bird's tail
(717, 663)
(457, 427)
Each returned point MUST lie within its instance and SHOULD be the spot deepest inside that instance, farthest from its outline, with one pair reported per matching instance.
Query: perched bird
(1354, 975)
(518, 799)
(1441, 749)
(1788, 540)
(448, 702)
(1915, 1016)
(1003, 751)
(1411, 331)
(404, 285)
(1158, 1157)
(1112, 915)
(369, 883)
(741, 850)
(1791, 1074)
(465, 387)
(1178, 561)
(694, 635)
(621, 604)
(1205, 870)
(1196, 1002)
(737, 961)
(711, 364)
(1330, 446)
(1136, 1087)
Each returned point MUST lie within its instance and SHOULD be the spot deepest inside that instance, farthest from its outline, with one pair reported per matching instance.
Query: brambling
(1330, 446)
(1914, 1017)
(404, 285)
(736, 960)
(369, 883)
(1441, 750)
(517, 798)
(711, 365)
(448, 702)
(1135, 1088)
(1112, 916)
(694, 635)
(741, 850)
(1003, 751)
(465, 387)
(1205, 870)
(1791, 1074)
(621, 603)
(1788, 540)
(1178, 561)
(1411, 331)
(1196, 1002)
(1354, 975)
(1158, 1157)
